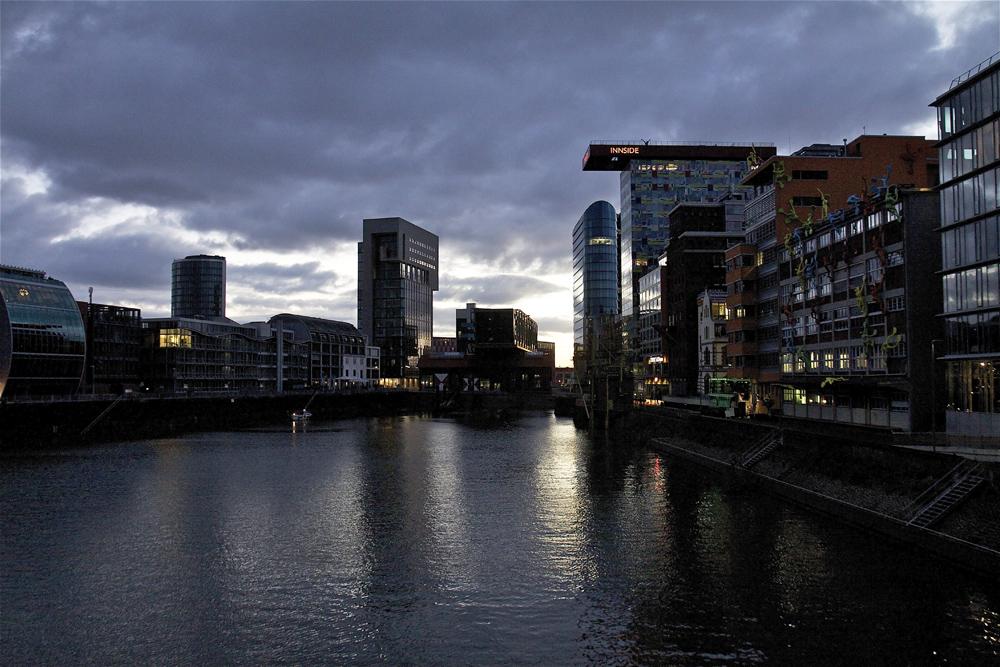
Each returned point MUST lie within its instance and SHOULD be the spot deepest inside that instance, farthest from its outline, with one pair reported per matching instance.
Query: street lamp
(934, 394)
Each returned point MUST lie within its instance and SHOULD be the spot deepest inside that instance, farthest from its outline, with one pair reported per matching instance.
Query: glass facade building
(653, 179)
(42, 336)
(397, 278)
(198, 287)
(969, 158)
(649, 191)
(595, 269)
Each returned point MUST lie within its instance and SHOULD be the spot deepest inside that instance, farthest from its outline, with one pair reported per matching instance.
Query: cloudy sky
(134, 133)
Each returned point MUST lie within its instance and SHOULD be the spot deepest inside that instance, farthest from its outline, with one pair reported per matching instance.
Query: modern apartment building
(42, 335)
(969, 149)
(858, 312)
(790, 192)
(596, 299)
(180, 354)
(654, 177)
(397, 278)
(336, 356)
(198, 287)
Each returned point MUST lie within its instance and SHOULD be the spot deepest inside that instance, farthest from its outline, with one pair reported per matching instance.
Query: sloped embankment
(862, 472)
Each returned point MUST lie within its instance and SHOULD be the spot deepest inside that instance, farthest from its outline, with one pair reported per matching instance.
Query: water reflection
(426, 541)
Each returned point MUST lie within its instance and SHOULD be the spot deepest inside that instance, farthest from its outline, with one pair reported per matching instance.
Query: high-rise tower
(654, 178)
(198, 288)
(596, 297)
(397, 276)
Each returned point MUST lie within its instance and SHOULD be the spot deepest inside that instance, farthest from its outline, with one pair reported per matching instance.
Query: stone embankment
(862, 481)
(84, 420)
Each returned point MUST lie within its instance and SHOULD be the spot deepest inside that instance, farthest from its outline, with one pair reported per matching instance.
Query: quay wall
(41, 424)
(863, 481)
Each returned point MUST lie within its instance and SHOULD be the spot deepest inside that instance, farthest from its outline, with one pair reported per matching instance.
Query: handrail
(947, 480)
(965, 76)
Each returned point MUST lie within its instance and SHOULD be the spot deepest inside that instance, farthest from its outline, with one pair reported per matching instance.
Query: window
(809, 175)
(807, 201)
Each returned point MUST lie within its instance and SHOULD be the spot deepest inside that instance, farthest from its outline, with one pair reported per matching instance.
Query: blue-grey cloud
(280, 126)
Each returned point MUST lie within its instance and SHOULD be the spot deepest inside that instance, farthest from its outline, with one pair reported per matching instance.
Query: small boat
(301, 416)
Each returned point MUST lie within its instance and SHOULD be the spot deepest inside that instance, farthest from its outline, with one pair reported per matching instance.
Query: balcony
(741, 273)
(741, 349)
(741, 324)
(741, 299)
(758, 209)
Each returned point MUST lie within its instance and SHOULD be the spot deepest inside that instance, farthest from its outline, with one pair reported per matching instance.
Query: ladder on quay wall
(944, 494)
(101, 416)
(761, 449)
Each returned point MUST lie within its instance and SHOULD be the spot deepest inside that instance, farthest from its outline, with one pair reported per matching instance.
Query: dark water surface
(426, 541)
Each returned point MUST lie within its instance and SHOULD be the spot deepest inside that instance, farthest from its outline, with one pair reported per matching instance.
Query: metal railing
(962, 78)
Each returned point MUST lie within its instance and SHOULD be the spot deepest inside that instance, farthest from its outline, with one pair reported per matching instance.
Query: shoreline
(861, 484)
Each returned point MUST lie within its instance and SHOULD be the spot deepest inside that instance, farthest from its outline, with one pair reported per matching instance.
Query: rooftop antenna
(90, 295)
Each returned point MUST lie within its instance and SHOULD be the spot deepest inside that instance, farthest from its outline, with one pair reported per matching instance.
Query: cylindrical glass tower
(198, 288)
(596, 295)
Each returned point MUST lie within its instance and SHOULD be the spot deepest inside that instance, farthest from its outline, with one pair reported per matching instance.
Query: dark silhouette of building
(694, 261)
(113, 340)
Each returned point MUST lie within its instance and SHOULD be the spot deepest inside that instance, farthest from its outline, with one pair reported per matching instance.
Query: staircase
(761, 449)
(944, 494)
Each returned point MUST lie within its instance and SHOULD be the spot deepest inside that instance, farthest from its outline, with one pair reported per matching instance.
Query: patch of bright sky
(33, 182)
(557, 304)
(951, 18)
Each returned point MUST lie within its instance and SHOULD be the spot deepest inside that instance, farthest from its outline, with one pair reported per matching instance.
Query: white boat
(301, 416)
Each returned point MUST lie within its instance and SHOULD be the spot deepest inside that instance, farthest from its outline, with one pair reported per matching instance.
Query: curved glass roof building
(42, 337)
(595, 269)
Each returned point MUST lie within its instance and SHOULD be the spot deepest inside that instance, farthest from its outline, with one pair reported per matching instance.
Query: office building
(651, 383)
(113, 339)
(791, 193)
(596, 286)
(397, 278)
(198, 287)
(194, 355)
(496, 349)
(655, 177)
(969, 152)
(700, 233)
(859, 312)
(335, 352)
(42, 335)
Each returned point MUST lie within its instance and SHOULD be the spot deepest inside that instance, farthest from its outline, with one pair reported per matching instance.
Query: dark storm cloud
(503, 290)
(268, 277)
(280, 126)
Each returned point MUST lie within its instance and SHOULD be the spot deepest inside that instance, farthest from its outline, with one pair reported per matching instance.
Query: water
(428, 542)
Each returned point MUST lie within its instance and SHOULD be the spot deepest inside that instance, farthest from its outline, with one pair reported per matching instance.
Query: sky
(134, 133)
